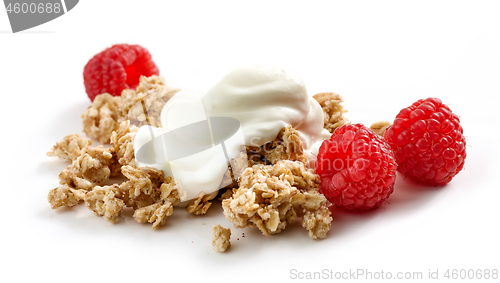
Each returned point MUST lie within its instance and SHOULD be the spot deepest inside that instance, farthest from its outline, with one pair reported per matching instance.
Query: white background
(380, 57)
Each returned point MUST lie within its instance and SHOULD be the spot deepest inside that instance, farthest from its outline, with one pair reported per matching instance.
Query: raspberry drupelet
(428, 142)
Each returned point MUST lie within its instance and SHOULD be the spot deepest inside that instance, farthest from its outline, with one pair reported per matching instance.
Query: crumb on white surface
(221, 238)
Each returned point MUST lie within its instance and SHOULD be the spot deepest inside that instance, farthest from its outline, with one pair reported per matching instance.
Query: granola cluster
(122, 142)
(269, 186)
(109, 120)
(147, 191)
(65, 196)
(106, 201)
(92, 168)
(200, 204)
(332, 109)
(286, 146)
(70, 147)
(150, 194)
(102, 118)
(380, 127)
(141, 107)
(155, 213)
(271, 196)
(275, 188)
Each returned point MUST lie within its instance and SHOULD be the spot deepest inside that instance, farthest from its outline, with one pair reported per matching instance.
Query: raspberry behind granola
(117, 68)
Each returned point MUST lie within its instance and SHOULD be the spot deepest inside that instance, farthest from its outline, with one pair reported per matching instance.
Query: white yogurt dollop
(263, 98)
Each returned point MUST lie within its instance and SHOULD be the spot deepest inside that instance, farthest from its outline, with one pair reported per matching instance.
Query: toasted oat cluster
(150, 194)
(271, 196)
(65, 196)
(286, 146)
(147, 191)
(106, 201)
(141, 107)
(102, 118)
(332, 109)
(90, 169)
(380, 127)
(94, 165)
(70, 147)
(155, 213)
(221, 238)
(122, 142)
(200, 204)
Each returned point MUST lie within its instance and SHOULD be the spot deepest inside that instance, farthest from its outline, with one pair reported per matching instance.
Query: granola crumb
(332, 109)
(380, 127)
(317, 223)
(69, 148)
(221, 238)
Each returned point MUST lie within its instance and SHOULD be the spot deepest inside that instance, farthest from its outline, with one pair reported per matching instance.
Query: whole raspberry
(428, 142)
(357, 168)
(117, 68)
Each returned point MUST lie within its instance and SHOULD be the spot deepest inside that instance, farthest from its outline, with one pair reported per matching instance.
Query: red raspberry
(357, 168)
(428, 142)
(117, 68)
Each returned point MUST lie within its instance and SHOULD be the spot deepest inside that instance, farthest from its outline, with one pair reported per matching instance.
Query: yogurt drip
(263, 98)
